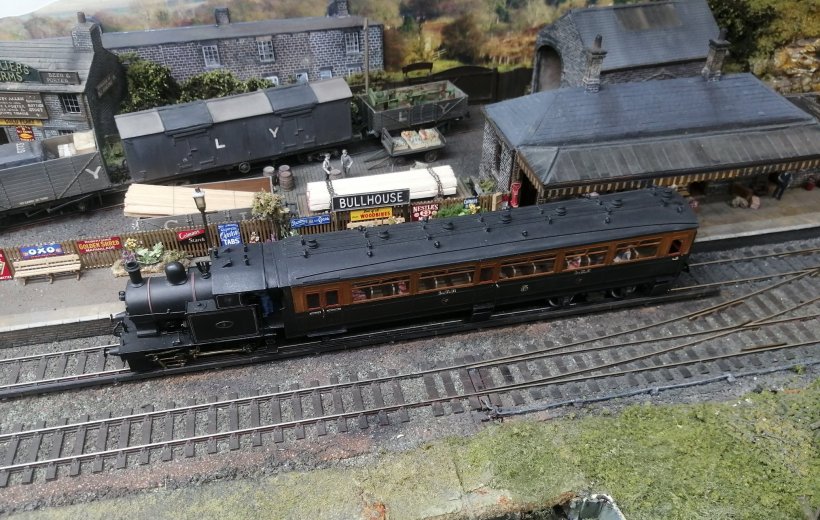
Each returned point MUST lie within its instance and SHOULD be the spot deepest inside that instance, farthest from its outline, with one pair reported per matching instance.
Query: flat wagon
(54, 172)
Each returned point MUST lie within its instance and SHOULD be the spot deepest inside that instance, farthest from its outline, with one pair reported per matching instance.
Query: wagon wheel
(560, 301)
(244, 167)
(431, 156)
(622, 292)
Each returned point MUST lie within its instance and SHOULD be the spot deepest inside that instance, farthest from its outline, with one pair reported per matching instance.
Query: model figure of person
(326, 166)
(347, 162)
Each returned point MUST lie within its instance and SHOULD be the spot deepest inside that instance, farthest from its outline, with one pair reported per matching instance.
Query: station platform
(40, 304)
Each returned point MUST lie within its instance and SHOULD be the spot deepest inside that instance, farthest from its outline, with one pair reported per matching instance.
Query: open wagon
(416, 106)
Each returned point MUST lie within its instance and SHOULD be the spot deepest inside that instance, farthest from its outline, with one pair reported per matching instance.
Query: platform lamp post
(199, 200)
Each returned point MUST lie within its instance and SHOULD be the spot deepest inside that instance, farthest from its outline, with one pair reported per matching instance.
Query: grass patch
(755, 458)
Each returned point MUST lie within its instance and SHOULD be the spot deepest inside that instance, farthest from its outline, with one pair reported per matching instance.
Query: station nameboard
(370, 200)
(25, 105)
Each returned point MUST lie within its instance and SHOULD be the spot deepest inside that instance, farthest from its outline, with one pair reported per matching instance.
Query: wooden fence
(265, 229)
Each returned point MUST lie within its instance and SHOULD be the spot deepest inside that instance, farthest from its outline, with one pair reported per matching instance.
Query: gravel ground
(100, 223)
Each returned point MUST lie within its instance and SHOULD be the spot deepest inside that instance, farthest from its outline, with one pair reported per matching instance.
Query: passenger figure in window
(625, 255)
(573, 262)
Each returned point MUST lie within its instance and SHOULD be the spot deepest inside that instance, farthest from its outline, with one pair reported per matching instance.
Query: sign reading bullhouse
(370, 200)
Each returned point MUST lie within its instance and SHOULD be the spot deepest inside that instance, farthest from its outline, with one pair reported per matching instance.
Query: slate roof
(646, 34)
(121, 40)
(48, 54)
(569, 135)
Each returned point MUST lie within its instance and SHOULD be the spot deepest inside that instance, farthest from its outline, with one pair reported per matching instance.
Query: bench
(49, 266)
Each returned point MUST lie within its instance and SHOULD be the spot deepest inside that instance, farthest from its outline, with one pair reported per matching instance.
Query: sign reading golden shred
(370, 214)
(99, 244)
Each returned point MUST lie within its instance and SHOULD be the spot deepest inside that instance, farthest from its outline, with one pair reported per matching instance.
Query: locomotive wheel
(244, 167)
(622, 292)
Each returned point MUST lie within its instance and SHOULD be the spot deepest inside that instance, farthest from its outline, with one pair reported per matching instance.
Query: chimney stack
(86, 36)
(337, 8)
(595, 58)
(222, 15)
(718, 49)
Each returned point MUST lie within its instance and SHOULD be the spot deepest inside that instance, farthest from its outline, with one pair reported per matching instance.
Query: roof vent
(312, 243)
(617, 203)
(384, 234)
(247, 262)
(437, 244)
(561, 211)
(608, 219)
(448, 226)
(506, 218)
(369, 253)
(228, 263)
(524, 233)
(305, 253)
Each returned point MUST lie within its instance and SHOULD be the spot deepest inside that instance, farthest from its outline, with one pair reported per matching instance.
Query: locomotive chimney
(132, 267)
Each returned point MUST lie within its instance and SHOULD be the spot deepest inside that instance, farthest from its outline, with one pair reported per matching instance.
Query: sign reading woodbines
(370, 200)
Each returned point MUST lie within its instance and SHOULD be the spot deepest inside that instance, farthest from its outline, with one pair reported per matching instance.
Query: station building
(696, 133)
(56, 86)
(283, 51)
(658, 40)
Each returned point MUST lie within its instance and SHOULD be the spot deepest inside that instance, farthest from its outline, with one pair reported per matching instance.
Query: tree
(255, 84)
(211, 84)
(150, 85)
(463, 39)
(745, 26)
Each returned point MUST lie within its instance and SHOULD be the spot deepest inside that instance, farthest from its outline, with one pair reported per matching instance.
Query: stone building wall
(293, 52)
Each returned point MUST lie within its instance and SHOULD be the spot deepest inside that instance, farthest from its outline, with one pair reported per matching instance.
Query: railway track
(744, 333)
(63, 371)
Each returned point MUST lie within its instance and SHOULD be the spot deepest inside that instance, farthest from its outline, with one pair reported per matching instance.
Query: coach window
(679, 245)
(528, 267)
(313, 301)
(583, 258)
(486, 274)
(446, 278)
(380, 289)
(631, 251)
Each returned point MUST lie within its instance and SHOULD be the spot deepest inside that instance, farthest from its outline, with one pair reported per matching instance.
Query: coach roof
(349, 254)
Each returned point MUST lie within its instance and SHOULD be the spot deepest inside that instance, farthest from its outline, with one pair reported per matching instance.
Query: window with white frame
(211, 55)
(70, 103)
(301, 77)
(265, 50)
(352, 42)
(273, 79)
(325, 73)
(353, 69)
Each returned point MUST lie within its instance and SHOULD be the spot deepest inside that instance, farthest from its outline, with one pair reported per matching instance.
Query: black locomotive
(328, 284)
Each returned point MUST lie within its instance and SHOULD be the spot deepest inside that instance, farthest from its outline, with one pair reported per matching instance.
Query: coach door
(324, 308)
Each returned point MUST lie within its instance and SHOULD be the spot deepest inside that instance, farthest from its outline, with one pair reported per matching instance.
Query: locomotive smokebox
(132, 267)
(175, 273)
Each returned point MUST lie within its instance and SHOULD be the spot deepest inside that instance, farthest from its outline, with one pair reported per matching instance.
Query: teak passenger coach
(328, 284)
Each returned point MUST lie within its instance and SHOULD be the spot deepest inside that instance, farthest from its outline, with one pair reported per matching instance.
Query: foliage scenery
(449, 32)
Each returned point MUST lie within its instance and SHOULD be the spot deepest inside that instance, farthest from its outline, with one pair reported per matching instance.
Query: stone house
(657, 40)
(696, 133)
(55, 86)
(284, 51)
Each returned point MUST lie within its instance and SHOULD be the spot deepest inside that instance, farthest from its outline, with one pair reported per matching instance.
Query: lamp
(199, 200)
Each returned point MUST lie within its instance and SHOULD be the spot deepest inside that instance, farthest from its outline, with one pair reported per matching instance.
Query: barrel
(286, 178)
(335, 174)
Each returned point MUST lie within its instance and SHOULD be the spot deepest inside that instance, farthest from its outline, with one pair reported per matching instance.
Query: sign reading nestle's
(25, 105)
(5, 270)
(99, 244)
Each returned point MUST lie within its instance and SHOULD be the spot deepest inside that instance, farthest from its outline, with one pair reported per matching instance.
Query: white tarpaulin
(148, 200)
(423, 183)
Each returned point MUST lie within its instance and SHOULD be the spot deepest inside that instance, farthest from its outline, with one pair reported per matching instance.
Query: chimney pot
(595, 59)
(713, 69)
